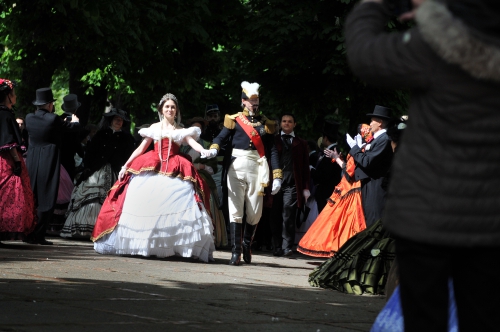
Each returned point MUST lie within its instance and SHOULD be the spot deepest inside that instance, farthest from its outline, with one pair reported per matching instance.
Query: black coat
(71, 145)
(326, 176)
(300, 161)
(45, 131)
(372, 168)
(108, 147)
(9, 129)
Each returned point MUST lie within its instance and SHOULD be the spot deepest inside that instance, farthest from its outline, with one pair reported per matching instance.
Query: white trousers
(243, 188)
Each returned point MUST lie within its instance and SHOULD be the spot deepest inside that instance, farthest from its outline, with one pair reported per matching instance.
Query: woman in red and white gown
(157, 206)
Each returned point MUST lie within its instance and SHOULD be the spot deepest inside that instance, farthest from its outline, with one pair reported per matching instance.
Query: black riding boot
(247, 242)
(236, 243)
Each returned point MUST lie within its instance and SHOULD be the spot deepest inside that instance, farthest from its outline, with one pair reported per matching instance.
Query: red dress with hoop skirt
(159, 208)
(339, 220)
(17, 207)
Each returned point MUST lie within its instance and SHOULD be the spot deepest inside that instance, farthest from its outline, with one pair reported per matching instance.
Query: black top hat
(121, 113)
(71, 103)
(211, 108)
(381, 112)
(331, 129)
(43, 96)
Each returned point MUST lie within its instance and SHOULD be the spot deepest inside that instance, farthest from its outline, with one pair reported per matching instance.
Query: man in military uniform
(251, 138)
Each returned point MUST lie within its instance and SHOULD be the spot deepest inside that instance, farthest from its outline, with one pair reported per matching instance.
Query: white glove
(209, 153)
(122, 173)
(359, 141)
(276, 186)
(307, 194)
(350, 140)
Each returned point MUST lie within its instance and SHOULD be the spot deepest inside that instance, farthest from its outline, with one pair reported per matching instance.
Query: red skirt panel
(17, 206)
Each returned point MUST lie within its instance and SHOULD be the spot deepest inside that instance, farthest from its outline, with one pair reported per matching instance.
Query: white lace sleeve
(193, 132)
(148, 132)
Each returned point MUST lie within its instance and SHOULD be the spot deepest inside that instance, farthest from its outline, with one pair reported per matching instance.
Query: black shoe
(278, 252)
(44, 242)
(235, 259)
(288, 252)
(30, 240)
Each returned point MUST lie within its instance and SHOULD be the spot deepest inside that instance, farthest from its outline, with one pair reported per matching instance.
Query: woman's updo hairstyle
(166, 97)
(6, 87)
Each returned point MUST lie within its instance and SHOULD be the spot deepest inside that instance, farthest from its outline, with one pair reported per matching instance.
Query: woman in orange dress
(343, 216)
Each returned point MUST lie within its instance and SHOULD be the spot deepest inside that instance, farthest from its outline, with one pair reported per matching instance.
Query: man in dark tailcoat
(373, 163)
(45, 129)
(327, 174)
(70, 143)
(294, 163)
(250, 137)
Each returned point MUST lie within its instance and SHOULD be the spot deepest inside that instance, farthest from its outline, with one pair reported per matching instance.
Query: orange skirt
(339, 220)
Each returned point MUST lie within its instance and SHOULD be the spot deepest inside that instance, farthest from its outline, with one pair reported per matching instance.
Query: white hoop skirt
(160, 218)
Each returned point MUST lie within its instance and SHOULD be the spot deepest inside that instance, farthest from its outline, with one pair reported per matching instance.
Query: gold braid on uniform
(215, 146)
(269, 125)
(229, 121)
(277, 173)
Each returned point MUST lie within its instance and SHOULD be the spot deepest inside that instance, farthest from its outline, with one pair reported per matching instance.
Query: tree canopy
(133, 52)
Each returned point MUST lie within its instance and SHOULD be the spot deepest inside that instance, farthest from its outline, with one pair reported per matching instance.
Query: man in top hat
(251, 141)
(45, 133)
(372, 163)
(70, 144)
(327, 174)
(294, 163)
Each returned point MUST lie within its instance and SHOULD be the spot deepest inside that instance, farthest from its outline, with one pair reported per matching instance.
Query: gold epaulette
(269, 125)
(277, 174)
(230, 121)
(215, 146)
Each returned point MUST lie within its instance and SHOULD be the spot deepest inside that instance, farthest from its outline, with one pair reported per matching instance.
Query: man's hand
(332, 154)
(306, 194)
(350, 140)
(74, 118)
(276, 186)
(209, 154)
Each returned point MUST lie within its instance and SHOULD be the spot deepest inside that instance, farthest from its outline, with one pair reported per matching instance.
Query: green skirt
(360, 266)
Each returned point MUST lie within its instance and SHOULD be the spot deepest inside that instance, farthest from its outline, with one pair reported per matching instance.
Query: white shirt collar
(291, 134)
(378, 133)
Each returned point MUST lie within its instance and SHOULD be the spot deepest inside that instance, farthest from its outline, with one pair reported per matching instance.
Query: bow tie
(286, 136)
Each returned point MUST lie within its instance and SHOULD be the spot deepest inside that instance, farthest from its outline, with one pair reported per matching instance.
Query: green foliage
(133, 52)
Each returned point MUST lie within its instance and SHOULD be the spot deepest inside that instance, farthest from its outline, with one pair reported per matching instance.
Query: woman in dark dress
(106, 153)
(17, 208)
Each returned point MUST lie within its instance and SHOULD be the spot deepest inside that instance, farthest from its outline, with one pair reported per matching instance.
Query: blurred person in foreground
(442, 200)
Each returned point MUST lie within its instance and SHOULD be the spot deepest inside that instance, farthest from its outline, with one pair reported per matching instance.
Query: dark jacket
(372, 168)
(108, 147)
(45, 130)
(444, 181)
(300, 157)
(326, 176)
